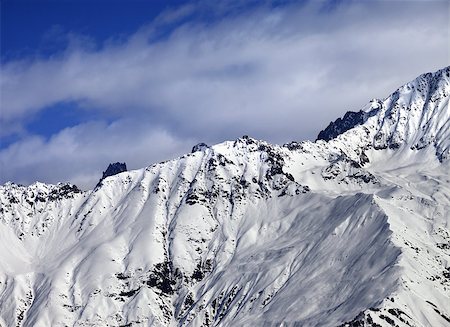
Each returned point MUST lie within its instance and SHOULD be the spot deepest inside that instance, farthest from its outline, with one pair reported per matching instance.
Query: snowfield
(350, 230)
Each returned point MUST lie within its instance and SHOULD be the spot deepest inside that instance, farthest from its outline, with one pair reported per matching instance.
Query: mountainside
(350, 230)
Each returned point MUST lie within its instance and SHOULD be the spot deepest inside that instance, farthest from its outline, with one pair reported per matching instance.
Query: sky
(86, 83)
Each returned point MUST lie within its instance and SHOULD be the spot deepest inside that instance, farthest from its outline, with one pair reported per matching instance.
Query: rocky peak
(341, 125)
(113, 169)
(199, 147)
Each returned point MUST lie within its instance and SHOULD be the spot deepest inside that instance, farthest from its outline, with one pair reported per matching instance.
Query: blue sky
(85, 83)
(40, 27)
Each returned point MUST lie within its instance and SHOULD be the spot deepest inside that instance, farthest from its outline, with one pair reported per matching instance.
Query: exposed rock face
(114, 169)
(341, 125)
(199, 147)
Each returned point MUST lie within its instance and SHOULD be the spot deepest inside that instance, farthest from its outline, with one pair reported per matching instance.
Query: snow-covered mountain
(350, 230)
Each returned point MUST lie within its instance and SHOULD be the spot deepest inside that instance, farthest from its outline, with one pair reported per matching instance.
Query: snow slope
(352, 231)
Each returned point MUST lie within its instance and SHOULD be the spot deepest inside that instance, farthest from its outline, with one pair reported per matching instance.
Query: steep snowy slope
(351, 231)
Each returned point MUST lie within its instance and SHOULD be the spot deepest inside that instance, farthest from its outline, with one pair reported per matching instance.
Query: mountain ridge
(245, 232)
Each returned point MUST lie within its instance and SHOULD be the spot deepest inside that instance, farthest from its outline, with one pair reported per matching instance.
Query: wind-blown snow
(352, 231)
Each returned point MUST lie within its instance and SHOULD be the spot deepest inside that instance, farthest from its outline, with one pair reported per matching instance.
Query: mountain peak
(341, 125)
(114, 169)
(415, 116)
(199, 147)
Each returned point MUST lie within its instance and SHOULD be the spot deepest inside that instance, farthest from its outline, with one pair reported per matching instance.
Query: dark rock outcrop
(113, 169)
(199, 147)
(341, 125)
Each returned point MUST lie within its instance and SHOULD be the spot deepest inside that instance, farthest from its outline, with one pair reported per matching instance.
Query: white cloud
(279, 74)
(79, 154)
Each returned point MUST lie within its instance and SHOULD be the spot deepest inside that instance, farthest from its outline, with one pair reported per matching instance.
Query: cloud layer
(278, 74)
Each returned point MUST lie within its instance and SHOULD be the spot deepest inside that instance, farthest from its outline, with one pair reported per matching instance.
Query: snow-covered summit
(415, 115)
(352, 231)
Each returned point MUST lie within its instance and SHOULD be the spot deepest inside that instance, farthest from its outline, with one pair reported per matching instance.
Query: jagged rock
(114, 169)
(341, 125)
(199, 147)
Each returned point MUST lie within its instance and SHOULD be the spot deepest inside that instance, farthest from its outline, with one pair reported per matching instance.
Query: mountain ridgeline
(349, 230)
